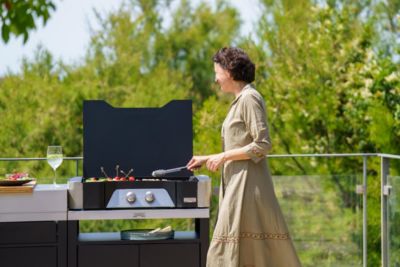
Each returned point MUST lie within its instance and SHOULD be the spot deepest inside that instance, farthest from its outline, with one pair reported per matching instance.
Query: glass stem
(54, 179)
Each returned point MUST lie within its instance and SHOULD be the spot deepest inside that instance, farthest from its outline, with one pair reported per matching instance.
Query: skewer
(116, 170)
(103, 172)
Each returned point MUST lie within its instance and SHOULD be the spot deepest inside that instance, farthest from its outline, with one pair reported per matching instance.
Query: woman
(250, 229)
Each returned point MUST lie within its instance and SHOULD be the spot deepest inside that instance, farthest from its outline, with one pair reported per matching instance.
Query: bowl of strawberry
(15, 179)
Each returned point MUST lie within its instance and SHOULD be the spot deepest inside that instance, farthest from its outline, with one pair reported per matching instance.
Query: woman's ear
(228, 74)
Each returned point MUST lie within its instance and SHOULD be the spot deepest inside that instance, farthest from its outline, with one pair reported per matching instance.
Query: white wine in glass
(54, 158)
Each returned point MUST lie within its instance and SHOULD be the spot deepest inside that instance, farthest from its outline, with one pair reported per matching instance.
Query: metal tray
(144, 234)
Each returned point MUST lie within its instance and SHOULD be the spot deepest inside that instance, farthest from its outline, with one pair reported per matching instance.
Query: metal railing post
(77, 167)
(365, 214)
(384, 211)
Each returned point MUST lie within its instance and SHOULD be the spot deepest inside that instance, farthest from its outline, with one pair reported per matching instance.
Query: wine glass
(54, 158)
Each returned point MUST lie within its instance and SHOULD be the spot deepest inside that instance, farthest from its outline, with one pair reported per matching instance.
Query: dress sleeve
(256, 123)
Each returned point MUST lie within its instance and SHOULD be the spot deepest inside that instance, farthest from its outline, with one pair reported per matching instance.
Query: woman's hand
(215, 161)
(196, 162)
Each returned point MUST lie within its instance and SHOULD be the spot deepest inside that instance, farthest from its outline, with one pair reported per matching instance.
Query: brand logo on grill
(189, 199)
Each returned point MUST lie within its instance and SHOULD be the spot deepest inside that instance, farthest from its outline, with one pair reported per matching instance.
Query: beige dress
(250, 229)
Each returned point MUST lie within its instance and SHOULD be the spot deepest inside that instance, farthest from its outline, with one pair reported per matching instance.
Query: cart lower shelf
(115, 238)
(185, 249)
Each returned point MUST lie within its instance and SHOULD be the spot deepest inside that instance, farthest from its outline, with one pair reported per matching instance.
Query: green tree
(325, 68)
(18, 17)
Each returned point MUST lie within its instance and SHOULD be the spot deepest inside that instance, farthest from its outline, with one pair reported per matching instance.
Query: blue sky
(67, 33)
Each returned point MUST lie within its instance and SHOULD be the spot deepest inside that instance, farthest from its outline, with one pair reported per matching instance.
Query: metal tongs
(162, 173)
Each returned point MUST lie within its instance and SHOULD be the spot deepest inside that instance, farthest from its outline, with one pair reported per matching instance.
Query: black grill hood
(144, 139)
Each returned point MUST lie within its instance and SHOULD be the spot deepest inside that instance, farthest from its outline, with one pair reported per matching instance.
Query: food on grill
(109, 179)
(118, 178)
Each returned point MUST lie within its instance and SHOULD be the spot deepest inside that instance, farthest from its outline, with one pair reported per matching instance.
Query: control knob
(130, 197)
(149, 197)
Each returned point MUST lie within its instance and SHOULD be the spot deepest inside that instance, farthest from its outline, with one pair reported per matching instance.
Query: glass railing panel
(394, 221)
(324, 216)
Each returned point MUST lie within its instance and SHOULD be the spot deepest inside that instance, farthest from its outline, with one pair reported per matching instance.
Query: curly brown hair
(237, 63)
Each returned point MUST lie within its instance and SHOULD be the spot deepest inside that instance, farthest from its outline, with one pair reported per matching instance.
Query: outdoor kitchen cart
(115, 139)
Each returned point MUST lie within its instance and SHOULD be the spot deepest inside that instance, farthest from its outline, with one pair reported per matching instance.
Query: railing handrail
(389, 156)
(28, 159)
(323, 155)
(328, 155)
